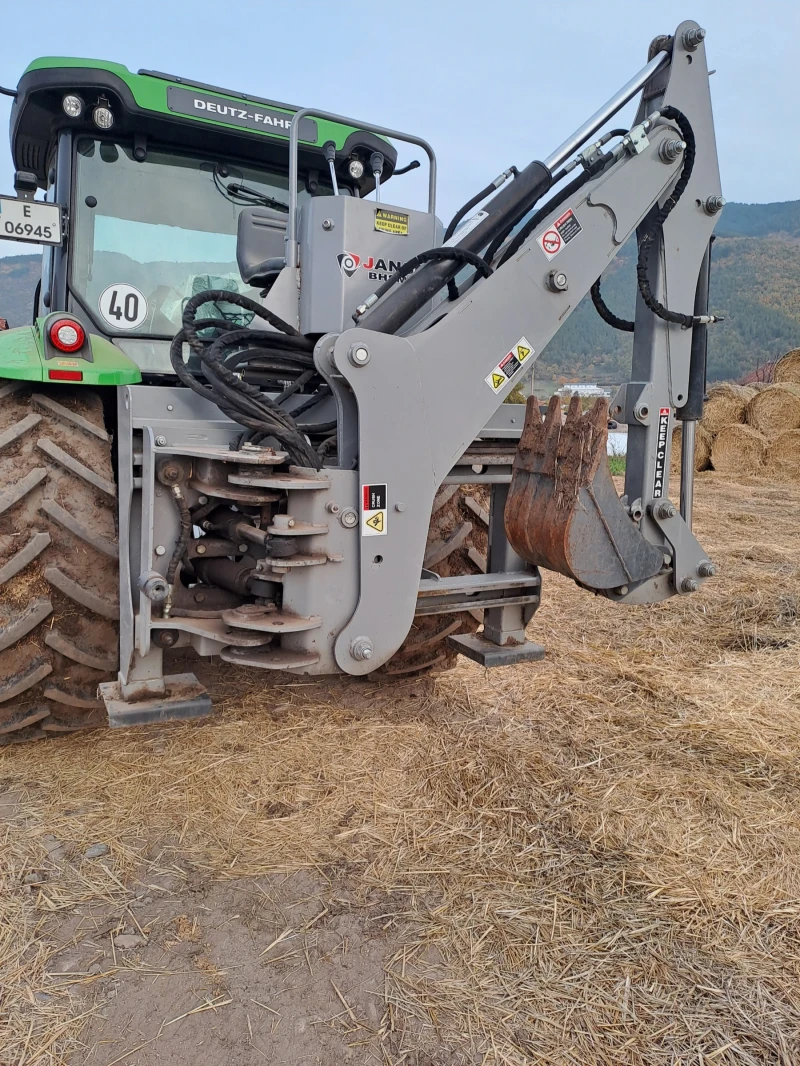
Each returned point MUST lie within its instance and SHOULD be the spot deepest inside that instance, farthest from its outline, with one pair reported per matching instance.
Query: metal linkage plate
(264, 620)
(488, 654)
(185, 698)
(254, 456)
(279, 659)
(279, 481)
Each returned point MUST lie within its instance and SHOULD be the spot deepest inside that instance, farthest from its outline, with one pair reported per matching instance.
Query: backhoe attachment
(563, 512)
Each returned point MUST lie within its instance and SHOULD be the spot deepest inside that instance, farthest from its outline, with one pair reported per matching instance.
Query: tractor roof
(191, 114)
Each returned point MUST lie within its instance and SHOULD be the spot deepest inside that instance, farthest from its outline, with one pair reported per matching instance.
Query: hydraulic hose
(650, 230)
(692, 410)
(511, 203)
(552, 205)
(501, 179)
(433, 255)
(288, 355)
(184, 533)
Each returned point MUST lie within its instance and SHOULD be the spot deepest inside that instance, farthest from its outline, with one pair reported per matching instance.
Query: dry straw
(726, 405)
(783, 455)
(702, 449)
(589, 861)
(775, 410)
(788, 368)
(738, 450)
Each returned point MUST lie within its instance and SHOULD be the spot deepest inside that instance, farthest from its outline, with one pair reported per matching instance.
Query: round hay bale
(783, 455)
(702, 449)
(788, 368)
(775, 410)
(738, 449)
(725, 405)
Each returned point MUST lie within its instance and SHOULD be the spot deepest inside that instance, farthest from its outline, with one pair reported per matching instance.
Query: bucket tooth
(563, 512)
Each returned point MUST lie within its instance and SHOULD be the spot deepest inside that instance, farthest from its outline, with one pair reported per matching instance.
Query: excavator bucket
(563, 512)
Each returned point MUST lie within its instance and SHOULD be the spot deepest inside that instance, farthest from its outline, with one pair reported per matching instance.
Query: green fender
(22, 358)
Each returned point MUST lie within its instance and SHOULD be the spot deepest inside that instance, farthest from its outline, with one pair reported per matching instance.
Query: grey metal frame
(294, 144)
(452, 357)
(366, 590)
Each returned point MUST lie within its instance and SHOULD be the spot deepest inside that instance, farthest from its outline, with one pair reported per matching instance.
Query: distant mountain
(18, 277)
(755, 286)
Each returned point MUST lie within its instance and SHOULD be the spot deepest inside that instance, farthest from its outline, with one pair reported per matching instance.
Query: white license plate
(29, 220)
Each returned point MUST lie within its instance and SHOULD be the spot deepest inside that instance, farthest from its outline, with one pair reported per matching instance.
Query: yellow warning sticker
(510, 365)
(376, 522)
(67, 362)
(391, 222)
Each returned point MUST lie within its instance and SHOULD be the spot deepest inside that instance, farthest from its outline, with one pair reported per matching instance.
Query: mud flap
(563, 512)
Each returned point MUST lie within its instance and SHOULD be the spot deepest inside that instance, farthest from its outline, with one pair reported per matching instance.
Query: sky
(488, 85)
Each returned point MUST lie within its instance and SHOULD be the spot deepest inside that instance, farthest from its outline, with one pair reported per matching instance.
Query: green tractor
(259, 413)
(145, 177)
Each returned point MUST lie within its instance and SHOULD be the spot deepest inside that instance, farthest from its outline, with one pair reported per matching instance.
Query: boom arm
(444, 379)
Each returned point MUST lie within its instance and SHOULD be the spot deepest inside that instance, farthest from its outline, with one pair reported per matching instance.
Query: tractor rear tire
(59, 591)
(457, 544)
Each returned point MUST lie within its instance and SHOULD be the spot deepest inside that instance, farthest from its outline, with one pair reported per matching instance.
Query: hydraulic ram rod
(506, 209)
(606, 112)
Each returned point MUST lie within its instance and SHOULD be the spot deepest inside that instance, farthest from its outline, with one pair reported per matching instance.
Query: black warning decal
(568, 226)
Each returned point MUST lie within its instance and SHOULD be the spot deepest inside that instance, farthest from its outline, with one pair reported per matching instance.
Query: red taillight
(67, 335)
(65, 375)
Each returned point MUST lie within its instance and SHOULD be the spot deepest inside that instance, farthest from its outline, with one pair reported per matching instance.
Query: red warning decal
(551, 243)
(563, 230)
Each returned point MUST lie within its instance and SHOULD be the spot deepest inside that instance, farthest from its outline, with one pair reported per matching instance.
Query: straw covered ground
(591, 860)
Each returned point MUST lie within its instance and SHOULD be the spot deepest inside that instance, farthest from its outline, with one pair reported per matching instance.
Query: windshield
(149, 235)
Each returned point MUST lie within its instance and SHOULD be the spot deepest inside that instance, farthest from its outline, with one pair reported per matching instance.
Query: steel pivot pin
(358, 355)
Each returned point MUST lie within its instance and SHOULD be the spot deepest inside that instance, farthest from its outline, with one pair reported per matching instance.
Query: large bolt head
(161, 442)
(361, 648)
(349, 518)
(557, 281)
(707, 569)
(358, 355)
(666, 510)
(714, 204)
(690, 584)
(671, 149)
(692, 38)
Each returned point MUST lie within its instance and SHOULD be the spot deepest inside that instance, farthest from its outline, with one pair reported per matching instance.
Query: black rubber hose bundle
(240, 400)
(460, 255)
(650, 230)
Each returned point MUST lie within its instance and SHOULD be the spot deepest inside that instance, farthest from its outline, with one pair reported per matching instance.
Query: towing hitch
(563, 512)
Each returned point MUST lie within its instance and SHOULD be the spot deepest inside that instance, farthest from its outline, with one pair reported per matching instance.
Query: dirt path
(593, 860)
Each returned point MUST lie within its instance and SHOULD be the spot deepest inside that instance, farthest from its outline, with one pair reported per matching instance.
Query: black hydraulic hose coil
(243, 402)
(650, 229)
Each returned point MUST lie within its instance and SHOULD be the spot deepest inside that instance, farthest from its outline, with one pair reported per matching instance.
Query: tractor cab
(148, 175)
